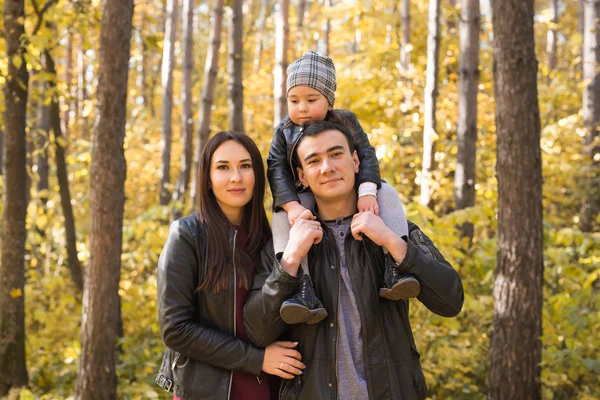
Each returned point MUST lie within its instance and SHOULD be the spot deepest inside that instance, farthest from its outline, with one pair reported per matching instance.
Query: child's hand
(294, 209)
(368, 203)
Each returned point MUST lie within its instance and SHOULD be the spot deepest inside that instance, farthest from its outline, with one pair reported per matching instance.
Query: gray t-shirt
(352, 381)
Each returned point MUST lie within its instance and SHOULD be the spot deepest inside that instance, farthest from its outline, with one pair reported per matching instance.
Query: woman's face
(232, 179)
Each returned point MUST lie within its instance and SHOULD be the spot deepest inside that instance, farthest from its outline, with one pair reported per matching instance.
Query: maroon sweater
(245, 386)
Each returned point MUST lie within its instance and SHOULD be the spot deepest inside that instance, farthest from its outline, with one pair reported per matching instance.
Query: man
(364, 349)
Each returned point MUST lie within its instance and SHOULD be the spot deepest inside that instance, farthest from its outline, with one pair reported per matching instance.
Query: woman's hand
(282, 360)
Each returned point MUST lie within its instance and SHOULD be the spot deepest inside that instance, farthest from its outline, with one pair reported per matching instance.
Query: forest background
(381, 78)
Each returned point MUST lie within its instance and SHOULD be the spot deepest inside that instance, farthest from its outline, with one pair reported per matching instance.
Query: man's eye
(337, 154)
(312, 161)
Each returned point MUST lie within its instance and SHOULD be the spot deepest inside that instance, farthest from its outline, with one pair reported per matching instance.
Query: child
(311, 86)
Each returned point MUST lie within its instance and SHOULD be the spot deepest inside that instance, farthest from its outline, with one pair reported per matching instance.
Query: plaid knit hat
(315, 71)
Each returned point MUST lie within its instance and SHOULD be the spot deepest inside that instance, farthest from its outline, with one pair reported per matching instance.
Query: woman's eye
(246, 166)
(222, 167)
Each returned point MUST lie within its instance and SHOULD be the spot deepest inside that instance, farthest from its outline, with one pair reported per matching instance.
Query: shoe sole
(297, 314)
(402, 290)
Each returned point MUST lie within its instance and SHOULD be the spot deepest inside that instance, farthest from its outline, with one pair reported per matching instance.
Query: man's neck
(332, 209)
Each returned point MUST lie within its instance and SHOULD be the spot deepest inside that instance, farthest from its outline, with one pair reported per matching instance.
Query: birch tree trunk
(405, 46)
(188, 115)
(282, 31)
(515, 350)
(96, 378)
(168, 63)
(73, 263)
(69, 80)
(464, 178)
(591, 112)
(324, 42)
(13, 369)
(551, 38)
(41, 146)
(81, 79)
(211, 68)
(260, 34)
(300, 28)
(431, 93)
(235, 87)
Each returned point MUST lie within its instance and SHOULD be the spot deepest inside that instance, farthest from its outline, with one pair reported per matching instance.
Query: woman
(204, 274)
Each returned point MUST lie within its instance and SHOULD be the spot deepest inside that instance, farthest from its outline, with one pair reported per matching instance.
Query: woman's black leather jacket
(198, 328)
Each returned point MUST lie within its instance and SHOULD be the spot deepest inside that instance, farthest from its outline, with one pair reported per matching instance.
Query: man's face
(328, 166)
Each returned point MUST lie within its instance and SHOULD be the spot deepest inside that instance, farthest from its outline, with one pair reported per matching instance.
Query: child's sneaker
(398, 286)
(303, 306)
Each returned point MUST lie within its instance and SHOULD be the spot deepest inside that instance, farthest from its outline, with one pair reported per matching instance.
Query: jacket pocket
(425, 244)
(290, 388)
(418, 376)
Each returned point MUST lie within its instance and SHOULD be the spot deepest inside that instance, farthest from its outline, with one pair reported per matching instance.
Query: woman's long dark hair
(219, 265)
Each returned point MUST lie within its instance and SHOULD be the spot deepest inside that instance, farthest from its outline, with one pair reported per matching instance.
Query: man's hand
(368, 203)
(303, 235)
(375, 229)
(295, 211)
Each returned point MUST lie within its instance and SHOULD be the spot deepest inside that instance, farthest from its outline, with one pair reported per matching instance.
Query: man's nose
(327, 166)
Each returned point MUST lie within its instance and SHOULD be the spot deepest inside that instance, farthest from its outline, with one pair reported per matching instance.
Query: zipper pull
(258, 379)
(175, 361)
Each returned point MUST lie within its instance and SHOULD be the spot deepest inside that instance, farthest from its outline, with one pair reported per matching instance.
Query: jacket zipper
(234, 307)
(292, 152)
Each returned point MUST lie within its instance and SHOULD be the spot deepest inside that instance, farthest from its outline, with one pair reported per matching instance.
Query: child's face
(306, 105)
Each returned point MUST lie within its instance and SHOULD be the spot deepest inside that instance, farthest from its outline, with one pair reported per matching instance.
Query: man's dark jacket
(391, 359)
(281, 173)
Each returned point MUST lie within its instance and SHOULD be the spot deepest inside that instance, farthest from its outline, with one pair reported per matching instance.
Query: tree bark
(405, 47)
(13, 369)
(81, 79)
(431, 93)
(73, 263)
(282, 32)
(591, 113)
(42, 133)
(324, 42)
(211, 68)
(1, 148)
(67, 98)
(464, 178)
(300, 28)
(260, 34)
(235, 87)
(188, 115)
(551, 38)
(168, 63)
(515, 350)
(96, 378)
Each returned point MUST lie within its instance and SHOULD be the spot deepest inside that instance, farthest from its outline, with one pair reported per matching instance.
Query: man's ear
(356, 161)
(301, 177)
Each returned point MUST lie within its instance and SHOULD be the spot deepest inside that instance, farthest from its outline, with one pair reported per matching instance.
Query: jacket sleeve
(369, 165)
(281, 178)
(180, 329)
(271, 286)
(441, 286)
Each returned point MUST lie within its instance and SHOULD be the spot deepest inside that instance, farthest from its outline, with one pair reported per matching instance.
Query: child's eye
(293, 101)
(312, 100)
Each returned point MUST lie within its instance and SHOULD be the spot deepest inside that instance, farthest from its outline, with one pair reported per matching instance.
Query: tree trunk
(188, 115)
(81, 79)
(42, 133)
(300, 28)
(96, 378)
(67, 99)
(13, 369)
(551, 38)
(431, 93)
(515, 350)
(591, 113)
(168, 63)
(324, 42)
(405, 46)
(211, 68)
(1, 148)
(63, 183)
(282, 31)
(235, 88)
(259, 35)
(464, 178)
(357, 35)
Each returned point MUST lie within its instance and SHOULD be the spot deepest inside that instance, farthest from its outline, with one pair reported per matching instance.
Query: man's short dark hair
(314, 128)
